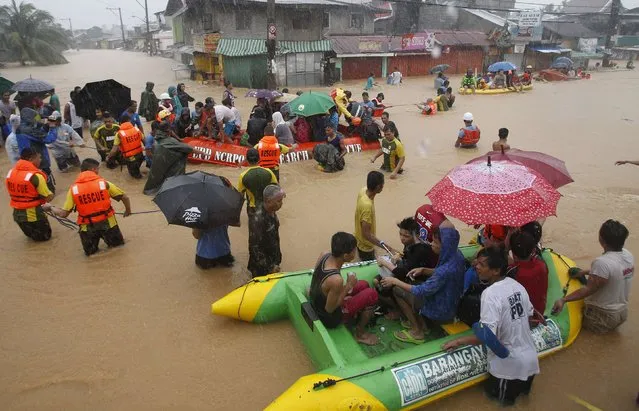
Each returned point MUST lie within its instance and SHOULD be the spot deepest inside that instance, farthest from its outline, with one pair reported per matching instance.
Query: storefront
(208, 64)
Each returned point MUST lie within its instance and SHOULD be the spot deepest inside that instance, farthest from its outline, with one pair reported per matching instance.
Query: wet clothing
(469, 82)
(328, 157)
(184, 97)
(303, 132)
(282, 130)
(183, 125)
(169, 159)
(64, 155)
(32, 135)
(255, 129)
(428, 219)
(469, 136)
(439, 82)
(95, 124)
(533, 275)
(364, 211)
(6, 109)
(264, 242)
(252, 182)
(393, 152)
(270, 151)
(392, 126)
(90, 239)
(11, 145)
(54, 101)
(317, 297)
(442, 291)
(506, 391)
(367, 111)
(213, 248)
(148, 103)
(134, 118)
(175, 100)
(37, 231)
(415, 255)
(229, 94)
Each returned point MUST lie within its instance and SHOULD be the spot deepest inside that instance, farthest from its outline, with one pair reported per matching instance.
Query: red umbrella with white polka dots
(497, 192)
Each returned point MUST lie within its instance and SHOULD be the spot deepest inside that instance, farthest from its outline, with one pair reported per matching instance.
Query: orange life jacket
(471, 137)
(269, 150)
(91, 197)
(433, 109)
(130, 140)
(23, 194)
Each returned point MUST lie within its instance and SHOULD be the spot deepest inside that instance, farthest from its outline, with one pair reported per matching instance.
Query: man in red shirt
(532, 272)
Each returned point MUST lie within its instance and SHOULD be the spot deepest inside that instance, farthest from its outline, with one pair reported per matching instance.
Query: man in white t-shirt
(223, 115)
(608, 286)
(505, 309)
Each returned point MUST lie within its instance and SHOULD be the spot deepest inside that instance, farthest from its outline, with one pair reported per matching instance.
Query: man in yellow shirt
(91, 196)
(254, 180)
(27, 187)
(365, 226)
(393, 151)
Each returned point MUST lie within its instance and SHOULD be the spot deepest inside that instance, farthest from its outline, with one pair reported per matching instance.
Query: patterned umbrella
(500, 192)
(551, 168)
(263, 93)
(32, 85)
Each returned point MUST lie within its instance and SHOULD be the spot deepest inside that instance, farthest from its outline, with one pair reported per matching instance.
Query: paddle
(489, 339)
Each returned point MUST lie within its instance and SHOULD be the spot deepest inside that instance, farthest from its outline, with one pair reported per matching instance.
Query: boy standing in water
(502, 143)
(505, 309)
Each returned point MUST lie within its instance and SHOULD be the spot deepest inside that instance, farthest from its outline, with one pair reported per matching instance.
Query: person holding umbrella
(28, 191)
(265, 255)
(91, 196)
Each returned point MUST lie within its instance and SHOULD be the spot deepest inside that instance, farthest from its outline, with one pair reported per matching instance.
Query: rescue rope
(142, 212)
(65, 222)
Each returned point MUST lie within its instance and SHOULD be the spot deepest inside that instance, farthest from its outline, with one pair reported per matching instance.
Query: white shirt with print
(618, 267)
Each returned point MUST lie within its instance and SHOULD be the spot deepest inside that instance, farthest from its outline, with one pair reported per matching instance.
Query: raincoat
(183, 96)
(341, 102)
(328, 157)
(183, 125)
(442, 291)
(148, 103)
(31, 134)
(169, 159)
(177, 105)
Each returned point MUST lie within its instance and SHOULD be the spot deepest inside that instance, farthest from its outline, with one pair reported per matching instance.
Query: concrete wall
(223, 19)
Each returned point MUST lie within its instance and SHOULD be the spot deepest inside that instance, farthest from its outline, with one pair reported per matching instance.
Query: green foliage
(30, 34)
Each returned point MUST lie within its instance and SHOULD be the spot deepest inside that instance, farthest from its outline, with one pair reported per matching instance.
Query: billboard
(529, 26)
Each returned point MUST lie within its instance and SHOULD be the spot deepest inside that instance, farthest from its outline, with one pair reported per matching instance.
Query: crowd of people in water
(424, 283)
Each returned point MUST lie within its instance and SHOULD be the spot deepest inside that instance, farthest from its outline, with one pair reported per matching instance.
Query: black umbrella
(439, 68)
(109, 95)
(200, 200)
(32, 85)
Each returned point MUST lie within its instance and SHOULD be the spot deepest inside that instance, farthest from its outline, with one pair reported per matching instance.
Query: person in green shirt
(54, 101)
(393, 151)
(254, 180)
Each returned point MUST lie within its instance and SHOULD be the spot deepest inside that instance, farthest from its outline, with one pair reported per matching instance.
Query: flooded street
(131, 329)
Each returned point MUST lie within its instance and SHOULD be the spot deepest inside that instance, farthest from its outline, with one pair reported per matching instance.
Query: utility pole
(271, 36)
(613, 27)
(121, 25)
(149, 38)
(70, 25)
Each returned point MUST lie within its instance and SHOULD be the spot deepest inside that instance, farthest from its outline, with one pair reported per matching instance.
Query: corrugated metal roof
(234, 47)
(360, 44)
(462, 38)
(571, 29)
(488, 16)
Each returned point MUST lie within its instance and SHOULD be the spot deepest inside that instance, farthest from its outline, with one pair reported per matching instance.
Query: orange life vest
(433, 109)
(269, 150)
(23, 194)
(91, 197)
(471, 137)
(130, 140)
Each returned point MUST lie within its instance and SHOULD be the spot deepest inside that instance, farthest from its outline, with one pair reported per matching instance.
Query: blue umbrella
(501, 65)
(562, 62)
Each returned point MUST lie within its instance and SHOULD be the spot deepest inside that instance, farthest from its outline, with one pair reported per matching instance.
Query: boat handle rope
(565, 289)
(329, 382)
(65, 222)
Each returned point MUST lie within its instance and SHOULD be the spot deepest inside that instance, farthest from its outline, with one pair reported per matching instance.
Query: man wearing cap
(254, 180)
(104, 137)
(62, 148)
(469, 135)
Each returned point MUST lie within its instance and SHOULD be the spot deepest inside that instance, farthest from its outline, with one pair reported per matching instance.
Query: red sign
(233, 155)
(271, 31)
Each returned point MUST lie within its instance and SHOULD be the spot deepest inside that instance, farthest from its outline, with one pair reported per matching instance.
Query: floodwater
(131, 329)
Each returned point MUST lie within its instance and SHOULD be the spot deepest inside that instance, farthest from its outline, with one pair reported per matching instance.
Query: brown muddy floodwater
(131, 329)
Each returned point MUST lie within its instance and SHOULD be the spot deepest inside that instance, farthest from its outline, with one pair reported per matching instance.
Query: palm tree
(30, 34)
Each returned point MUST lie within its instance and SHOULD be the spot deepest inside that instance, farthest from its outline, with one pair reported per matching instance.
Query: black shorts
(366, 255)
(37, 230)
(134, 164)
(65, 162)
(90, 239)
(506, 391)
(206, 263)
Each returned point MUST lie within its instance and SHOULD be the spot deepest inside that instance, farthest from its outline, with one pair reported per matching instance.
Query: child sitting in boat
(336, 301)
(505, 310)
(435, 299)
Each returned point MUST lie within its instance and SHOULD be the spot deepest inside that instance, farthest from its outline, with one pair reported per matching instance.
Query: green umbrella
(310, 104)
(5, 85)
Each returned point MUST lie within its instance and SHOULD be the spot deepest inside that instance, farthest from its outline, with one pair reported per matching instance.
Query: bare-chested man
(502, 143)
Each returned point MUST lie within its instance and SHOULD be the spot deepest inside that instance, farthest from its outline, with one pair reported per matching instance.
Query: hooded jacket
(177, 105)
(30, 134)
(148, 102)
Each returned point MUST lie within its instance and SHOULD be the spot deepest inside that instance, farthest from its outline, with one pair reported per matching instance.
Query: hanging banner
(529, 26)
(418, 42)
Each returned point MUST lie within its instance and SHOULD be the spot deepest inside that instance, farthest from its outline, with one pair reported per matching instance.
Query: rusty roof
(461, 38)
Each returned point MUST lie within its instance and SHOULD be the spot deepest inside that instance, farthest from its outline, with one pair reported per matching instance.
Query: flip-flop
(404, 336)
(406, 324)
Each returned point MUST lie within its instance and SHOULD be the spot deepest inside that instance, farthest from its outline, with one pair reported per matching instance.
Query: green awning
(234, 47)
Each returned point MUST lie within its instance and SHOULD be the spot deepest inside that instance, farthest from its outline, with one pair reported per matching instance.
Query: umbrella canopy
(551, 168)
(285, 98)
(32, 85)
(311, 103)
(199, 200)
(439, 68)
(109, 95)
(501, 65)
(499, 192)
(5, 85)
(264, 93)
(562, 62)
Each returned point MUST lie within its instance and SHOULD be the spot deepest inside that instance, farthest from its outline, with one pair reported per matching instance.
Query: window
(301, 19)
(207, 22)
(242, 20)
(357, 20)
(326, 20)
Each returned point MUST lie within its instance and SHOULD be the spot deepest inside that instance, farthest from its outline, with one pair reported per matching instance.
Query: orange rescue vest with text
(91, 197)
(433, 109)
(23, 194)
(471, 137)
(269, 150)
(130, 140)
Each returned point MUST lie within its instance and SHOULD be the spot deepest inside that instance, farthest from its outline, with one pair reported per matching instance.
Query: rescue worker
(254, 180)
(129, 144)
(104, 138)
(270, 150)
(28, 191)
(428, 108)
(469, 135)
(341, 100)
(469, 81)
(91, 196)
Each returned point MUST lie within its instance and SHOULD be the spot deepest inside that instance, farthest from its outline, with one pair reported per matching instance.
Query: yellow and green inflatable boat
(494, 90)
(391, 375)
